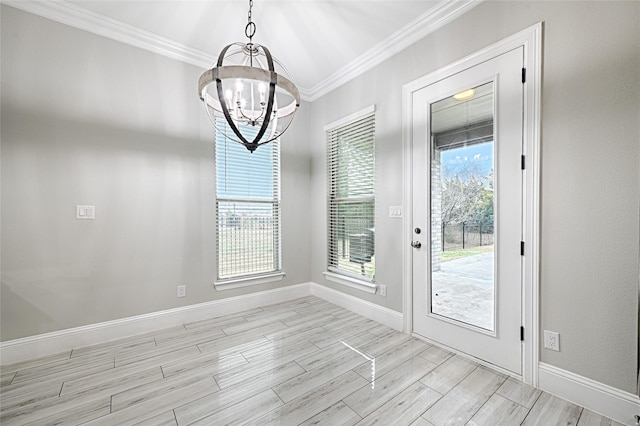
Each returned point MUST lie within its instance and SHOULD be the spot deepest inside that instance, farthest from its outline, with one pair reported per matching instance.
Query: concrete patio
(463, 290)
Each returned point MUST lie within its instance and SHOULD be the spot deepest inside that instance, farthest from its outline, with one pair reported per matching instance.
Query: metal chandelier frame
(257, 68)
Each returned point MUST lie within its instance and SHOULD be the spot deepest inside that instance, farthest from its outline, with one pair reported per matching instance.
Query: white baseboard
(608, 401)
(386, 316)
(65, 340)
(60, 341)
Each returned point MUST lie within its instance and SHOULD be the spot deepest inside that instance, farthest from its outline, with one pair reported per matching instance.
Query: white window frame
(269, 274)
(334, 274)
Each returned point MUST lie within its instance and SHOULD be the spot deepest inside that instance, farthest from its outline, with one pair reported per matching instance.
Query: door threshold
(482, 362)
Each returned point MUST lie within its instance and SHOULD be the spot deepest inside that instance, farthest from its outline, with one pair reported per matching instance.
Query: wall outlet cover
(182, 290)
(552, 340)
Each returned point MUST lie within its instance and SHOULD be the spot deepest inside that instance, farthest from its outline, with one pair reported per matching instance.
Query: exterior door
(467, 143)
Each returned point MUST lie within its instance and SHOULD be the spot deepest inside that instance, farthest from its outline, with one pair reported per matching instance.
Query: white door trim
(531, 40)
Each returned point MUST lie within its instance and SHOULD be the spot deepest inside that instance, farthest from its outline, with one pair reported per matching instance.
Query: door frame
(531, 40)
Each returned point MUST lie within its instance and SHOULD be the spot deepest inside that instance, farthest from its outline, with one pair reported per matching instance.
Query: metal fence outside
(456, 236)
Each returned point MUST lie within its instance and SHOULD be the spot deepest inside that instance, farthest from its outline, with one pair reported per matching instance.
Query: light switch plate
(395, 211)
(86, 212)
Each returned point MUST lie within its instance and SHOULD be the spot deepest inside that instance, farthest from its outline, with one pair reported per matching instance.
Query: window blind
(247, 207)
(466, 135)
(351, 198)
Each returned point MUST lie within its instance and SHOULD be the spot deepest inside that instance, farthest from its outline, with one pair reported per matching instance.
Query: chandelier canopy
(256, 102)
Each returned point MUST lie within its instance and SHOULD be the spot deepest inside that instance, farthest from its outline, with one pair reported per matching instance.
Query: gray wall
(88, 120)
(590, 169)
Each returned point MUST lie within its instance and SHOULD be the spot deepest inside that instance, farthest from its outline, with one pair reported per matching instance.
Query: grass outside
(248, 250)
(471, 251)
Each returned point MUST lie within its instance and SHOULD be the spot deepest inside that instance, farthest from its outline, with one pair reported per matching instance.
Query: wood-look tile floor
(302, 362)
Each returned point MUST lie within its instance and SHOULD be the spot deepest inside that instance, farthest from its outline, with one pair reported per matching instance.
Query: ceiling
(322, 43)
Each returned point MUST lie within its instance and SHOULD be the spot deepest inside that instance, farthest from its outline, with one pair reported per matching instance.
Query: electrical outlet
(383, 290)
(552, 340)
(182, 290)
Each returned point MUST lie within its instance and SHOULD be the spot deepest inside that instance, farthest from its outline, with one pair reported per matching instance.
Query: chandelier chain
(250, 29)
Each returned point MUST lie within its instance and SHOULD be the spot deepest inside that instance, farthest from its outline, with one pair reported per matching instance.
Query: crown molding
(75, 16)
(440, 15)
(84, 19)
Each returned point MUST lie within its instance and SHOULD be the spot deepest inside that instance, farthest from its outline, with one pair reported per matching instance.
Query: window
(351, 196)
(247, 208)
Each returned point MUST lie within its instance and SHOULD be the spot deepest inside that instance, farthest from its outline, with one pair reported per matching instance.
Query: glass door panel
(462, 207)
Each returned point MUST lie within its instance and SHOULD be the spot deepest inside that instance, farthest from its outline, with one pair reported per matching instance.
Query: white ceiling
(323, 43)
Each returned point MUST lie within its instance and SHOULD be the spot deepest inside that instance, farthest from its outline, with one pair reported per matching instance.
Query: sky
(455, 160)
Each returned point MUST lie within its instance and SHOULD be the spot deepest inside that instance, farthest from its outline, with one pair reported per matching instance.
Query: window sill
(248, 281)
(366, 286)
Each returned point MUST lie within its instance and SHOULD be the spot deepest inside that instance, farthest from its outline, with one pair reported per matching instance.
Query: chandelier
(244, 89)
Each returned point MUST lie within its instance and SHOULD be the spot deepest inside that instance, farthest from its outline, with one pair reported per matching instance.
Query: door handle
(416, 244)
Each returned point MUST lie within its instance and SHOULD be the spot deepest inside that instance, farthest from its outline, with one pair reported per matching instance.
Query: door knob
(416, 244)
